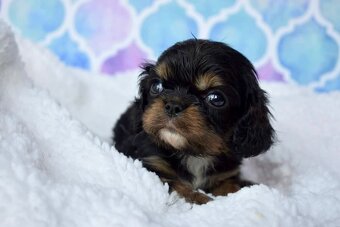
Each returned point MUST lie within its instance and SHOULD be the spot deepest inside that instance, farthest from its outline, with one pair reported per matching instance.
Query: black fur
(243, 124)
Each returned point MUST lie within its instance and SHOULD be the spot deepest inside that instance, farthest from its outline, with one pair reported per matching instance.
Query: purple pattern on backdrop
(107, 31)
(125, 59)
(112, 29)
(267, 72)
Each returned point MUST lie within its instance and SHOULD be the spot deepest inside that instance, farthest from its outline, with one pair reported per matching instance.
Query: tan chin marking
(172, 138)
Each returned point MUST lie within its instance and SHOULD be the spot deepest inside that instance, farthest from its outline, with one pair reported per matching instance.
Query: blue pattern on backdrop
(331, 85)
(37, 18)
(141, 5)
(209, 8)
(316, 54)
(242, 33)
(68, 50)
(330, 9)
(287, 40)
(278, 13)
(166, 26)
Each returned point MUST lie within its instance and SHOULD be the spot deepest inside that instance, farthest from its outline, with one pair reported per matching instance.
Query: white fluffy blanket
(57, 167)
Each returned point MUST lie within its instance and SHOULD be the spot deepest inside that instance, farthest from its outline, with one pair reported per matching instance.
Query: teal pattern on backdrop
(292, 41)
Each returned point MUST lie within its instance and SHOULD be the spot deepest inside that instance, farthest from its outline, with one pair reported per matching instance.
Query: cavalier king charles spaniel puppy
(200, 111)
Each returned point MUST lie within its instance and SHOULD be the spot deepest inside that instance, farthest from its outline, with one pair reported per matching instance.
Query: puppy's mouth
(171, 135)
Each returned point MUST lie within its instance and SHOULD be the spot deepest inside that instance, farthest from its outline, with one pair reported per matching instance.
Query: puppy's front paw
(226, 187)
(198, 198)
(191, 196)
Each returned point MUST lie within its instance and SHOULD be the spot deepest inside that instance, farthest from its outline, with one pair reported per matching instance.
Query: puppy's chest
(198, 168)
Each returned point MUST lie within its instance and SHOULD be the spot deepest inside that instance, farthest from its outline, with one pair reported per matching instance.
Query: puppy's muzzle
(173, 109)
(176, 101)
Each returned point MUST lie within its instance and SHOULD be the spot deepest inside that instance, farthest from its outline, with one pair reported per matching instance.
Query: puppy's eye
(216, 99)
(156, 88)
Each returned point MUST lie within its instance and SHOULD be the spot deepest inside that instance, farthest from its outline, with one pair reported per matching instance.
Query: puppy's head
(203, 97)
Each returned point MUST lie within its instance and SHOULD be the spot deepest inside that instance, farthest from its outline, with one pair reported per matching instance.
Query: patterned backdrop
(294, 41)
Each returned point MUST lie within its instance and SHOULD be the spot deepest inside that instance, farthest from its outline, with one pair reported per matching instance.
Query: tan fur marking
(154, 117)
(193, 126)
(207, 81)
(182, 188)
(190, 128)
(159, 165)
(216, 179)
(226, 187)
(189, 195)
(163, 71)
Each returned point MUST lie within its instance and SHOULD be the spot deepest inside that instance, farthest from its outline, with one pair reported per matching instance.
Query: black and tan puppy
(200, 111)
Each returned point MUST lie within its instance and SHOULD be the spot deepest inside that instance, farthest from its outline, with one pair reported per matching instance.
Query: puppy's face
(195, 96)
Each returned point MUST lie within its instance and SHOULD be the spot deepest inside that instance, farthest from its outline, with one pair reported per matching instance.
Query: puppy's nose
(173, 109)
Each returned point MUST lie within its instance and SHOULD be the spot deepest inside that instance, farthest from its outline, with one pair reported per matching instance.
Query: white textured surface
(55, 172)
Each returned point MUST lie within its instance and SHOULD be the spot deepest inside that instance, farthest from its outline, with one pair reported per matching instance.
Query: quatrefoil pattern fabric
(293, 41)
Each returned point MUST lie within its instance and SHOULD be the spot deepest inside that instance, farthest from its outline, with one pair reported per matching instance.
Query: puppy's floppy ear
(143, 84)
(253, 133)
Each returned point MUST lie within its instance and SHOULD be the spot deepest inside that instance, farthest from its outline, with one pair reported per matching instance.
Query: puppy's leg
(226, 187)
(229, 186)
(168, 175)
(188, 194)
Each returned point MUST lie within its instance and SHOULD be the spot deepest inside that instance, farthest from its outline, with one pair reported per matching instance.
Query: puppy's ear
(143, 84)
(253, 133)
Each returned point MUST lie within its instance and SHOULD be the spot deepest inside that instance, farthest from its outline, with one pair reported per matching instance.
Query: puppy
(200, 111)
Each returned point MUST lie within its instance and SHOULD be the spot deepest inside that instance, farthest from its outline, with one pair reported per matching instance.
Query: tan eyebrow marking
(163, 70)
(208, 80)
